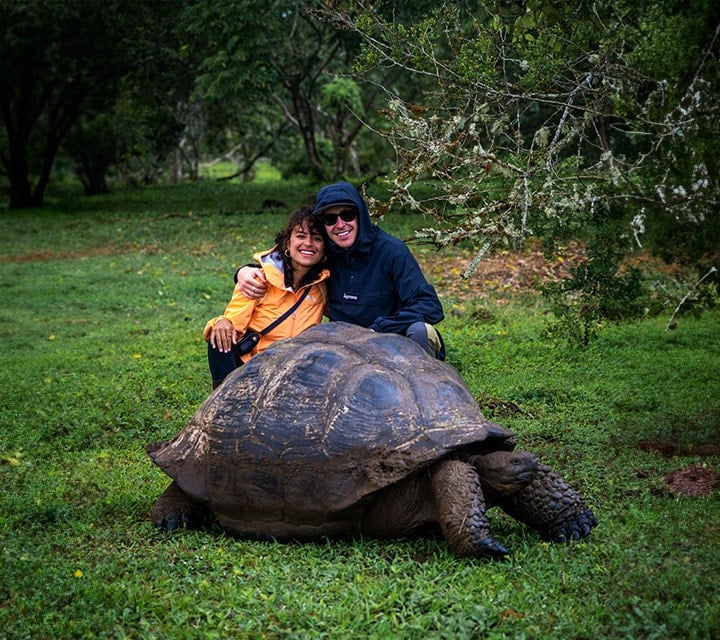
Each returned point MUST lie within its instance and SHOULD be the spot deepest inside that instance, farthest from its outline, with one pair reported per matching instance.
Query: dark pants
(428, 337)
(222, 364)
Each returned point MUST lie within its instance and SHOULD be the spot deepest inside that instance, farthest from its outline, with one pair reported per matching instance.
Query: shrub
(596, 291)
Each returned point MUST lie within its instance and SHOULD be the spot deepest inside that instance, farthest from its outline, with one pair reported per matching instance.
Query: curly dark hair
(305, 214)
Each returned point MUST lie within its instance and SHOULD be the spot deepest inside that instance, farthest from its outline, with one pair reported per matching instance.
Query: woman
(293, 265)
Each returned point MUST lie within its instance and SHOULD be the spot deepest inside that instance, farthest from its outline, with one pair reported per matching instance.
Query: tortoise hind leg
(552, 507)
(175, 509)
(460, 510)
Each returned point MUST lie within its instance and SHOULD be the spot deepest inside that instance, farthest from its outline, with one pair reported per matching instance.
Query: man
(375, 281)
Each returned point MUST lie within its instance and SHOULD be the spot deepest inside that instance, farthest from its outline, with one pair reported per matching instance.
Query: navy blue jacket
(376, 283)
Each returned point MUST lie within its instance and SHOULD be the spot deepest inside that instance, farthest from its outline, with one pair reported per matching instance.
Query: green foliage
(546, 110)
(93, 146)
(685, 297)
(231, 42)
(686, 241)
(597, 291)
(289, 156)
(102, 304)
(670, 37)
(276, 79)
(340, 94)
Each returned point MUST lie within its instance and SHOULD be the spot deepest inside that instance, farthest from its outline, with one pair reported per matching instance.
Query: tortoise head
(505, 472)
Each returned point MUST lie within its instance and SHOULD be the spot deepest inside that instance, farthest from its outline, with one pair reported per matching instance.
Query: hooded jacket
(246, 313)
(376, 283)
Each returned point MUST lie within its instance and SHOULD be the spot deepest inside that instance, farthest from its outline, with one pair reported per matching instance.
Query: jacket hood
(344, 193)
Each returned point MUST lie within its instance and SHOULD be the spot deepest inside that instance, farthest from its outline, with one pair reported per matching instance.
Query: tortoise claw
(176, 510)
(169, 523)
(575, 529)
(174, 521)
(490, 548)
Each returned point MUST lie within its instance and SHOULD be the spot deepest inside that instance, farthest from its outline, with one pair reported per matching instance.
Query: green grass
(102, 304)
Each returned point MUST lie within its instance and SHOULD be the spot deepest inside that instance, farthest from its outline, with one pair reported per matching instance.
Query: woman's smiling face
(306, 247)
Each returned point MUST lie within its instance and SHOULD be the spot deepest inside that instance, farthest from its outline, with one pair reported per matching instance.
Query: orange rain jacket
(246, 314)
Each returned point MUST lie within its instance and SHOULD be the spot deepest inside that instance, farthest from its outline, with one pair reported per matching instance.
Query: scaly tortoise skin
(344, 432)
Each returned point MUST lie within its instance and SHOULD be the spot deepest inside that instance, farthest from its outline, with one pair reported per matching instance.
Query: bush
(597, 291)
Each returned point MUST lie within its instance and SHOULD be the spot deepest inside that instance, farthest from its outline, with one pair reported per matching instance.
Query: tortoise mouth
(507, 485)
(526, 476)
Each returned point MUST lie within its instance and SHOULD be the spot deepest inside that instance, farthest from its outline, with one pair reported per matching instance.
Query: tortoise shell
(295, 442)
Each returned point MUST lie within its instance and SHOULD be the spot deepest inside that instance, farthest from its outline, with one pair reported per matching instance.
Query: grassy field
(102, 304)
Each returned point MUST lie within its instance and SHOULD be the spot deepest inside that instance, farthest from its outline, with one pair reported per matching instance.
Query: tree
(264, 59)
(92, 144)
(548, 114)
(61, 61)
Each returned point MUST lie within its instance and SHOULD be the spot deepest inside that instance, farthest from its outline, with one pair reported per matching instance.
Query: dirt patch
(695, 480)
(671, 449)
(504, 273)
(511, 272)
(47, 255)
(692, 481)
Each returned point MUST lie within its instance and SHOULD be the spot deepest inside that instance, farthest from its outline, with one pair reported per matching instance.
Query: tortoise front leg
(552, 507)
(460, 509)
(175, 509)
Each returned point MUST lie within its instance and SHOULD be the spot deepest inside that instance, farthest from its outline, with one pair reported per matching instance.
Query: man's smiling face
(343, 233)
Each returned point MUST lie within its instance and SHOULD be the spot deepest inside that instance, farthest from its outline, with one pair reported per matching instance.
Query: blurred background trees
(88, 75)
(499, 119)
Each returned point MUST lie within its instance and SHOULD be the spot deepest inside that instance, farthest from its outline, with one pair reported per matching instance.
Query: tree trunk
(21, 196)
(93, 180)
(302, 118)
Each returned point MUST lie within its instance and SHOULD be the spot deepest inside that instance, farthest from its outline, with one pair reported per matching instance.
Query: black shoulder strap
(275, 323)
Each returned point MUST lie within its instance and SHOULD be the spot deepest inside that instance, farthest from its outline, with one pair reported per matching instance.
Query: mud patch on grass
(694, 481)
(46, 255)
(672, 449)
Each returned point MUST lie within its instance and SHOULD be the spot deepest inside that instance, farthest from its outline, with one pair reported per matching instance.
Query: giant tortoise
(345, 432)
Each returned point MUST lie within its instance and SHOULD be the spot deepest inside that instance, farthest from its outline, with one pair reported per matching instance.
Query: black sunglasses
(329, 219)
